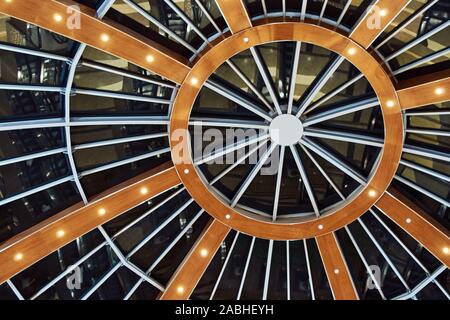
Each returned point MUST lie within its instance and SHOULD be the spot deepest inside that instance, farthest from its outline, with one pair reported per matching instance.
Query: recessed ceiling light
(390, 103)
(446, 250)
(372, 193)
(57, 17)
(150, 58)
(194, 81)
(60, 233)
(144, 190)
(228, 216)
(180, 289)
(102, 211)
(408, 220)
(383, 12)
(186, 171)
(336, 271)
(104, 37)
(18, 257)
(320, 227)
(439, 91)
(246, 39)
(352, 51)
(204, 253)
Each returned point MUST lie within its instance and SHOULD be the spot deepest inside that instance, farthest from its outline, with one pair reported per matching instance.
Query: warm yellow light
(57, 17)
(383, 13)
(228, 216)
(144, 190)
(18, 257)
(186, 171)
(352, 51)
(60, 233)
(194, 81)
(446, 250)
(408, 220)
(439, 91)
(180, 289)
(390, 103)
(336, 271)
(246, 39)
(150, 58)
(104, 37)
(102, 211)
(204, 253)
(372, 193)
(320, 226)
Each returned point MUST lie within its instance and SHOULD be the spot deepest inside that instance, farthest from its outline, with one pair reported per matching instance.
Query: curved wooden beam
(59, 16)
(434, 237)
(376, 19)
(32, 245)
(424, 90)
(336, 268)
(294, 228)
(235, 14)
(189, 273)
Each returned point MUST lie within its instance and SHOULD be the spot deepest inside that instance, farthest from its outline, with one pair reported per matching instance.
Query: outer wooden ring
(250, 223)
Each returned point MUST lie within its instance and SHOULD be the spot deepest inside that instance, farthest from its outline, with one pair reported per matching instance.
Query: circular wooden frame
(289, 229)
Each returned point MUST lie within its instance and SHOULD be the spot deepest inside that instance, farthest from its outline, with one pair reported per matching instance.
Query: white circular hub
(286, 130)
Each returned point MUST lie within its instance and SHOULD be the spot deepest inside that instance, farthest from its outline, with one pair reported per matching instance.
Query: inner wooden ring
(295, 228)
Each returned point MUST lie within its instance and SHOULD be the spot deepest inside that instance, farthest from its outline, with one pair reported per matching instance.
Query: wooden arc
(289, 229)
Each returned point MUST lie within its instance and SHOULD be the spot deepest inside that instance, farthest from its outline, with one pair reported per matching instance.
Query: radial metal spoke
(319, 83)
(230, 94)
(423, 191)
(228, 149)
(249, 179)
(124, 162)
(122, 96)
(305, 180)
(427, 153)
(227, 123)
(32, 156)
(267, 78)
(278, 184)
(225, 264)
(35, 190)
(425, 170)
(121, 121)
(322, 11)
(125, 73)
(208, 15)
(30, 87)
(431, 132)
(365, 263)
(292, 85)
(418, 40)
(308, 266)
(333, 93)
(32, 124)
(249, 83)
(342, 110)
(322, 152)
(385, 256)
(236, 163)
(344, 11)
(418, 62)
(288, 271)
(118, 141)
(268, 266)
(247, 263)
(36, 53)
(344, 136)
(323, 172)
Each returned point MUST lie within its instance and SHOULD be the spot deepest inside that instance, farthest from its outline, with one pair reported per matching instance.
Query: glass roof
(76, 121)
